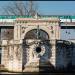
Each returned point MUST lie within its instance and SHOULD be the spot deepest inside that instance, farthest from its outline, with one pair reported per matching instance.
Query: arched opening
(42, 48)
(34, 34)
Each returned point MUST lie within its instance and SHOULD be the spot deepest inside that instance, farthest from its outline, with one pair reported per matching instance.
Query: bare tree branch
(21, 8)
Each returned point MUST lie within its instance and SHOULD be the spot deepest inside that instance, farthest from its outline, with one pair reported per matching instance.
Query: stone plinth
(32, 66)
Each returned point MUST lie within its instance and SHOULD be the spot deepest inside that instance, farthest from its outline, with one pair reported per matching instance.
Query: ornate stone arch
(34, 27)
(25, 49)
(32, 34)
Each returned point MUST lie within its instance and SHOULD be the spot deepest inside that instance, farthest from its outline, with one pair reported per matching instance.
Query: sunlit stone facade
(34, 43)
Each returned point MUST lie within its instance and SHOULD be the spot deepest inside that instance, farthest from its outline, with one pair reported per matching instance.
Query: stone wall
(14, 55)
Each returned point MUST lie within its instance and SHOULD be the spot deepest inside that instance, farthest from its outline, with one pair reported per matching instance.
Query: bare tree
(21, 8)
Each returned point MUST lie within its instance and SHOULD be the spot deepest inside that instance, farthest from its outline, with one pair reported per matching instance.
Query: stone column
(55, 35)
(53, 49)
(19, 32)
(10, 64)
(17, 61)
(57, 32)
(15, 32)
(5, 54)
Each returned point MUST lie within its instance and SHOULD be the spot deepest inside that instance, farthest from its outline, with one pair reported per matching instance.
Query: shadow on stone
(46, 67)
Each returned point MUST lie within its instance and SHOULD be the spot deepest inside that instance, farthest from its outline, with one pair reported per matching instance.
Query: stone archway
(36, 47)
(32, 34)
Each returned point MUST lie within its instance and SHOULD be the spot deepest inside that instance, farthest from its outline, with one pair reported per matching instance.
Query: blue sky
(50, 7)
(57, 7)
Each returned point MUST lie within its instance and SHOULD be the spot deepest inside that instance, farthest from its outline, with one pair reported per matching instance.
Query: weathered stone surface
(20, 56)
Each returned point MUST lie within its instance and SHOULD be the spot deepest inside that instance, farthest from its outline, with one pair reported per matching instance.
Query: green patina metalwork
(13, 17)
(58, 16)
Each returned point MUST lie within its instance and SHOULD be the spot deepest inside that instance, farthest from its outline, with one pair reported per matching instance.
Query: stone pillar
(54, 36)
(5, 54)
(17, 59)
(53, 49)
(17, 32)
(57, 32)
